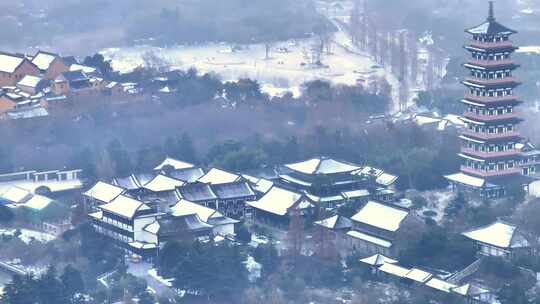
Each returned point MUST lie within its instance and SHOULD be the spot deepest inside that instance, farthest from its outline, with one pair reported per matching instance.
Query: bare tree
(295, 235)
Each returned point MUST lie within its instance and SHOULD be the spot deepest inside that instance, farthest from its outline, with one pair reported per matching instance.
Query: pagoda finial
(491, 14)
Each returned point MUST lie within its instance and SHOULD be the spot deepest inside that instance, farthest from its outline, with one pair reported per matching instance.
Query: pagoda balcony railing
(485, 154)
(490, 62)
(489, 45)
(485, 117)
(488, 136)
(490, 98)
(491, 81)
(484, 173)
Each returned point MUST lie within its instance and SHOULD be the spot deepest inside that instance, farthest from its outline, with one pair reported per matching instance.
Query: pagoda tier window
(500, 166)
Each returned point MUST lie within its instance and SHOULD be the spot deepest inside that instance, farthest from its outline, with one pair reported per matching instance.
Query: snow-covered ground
(28, 235)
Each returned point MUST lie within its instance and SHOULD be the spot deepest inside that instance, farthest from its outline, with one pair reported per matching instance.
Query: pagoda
(490, 158)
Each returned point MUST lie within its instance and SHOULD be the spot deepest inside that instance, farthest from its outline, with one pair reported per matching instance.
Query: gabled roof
(219, 176)
(184, 207)
(128, 183)
(30, 81)
(175, 163)
(171, 226)
(124, 206)
(440, 285)
(9, 62)
(499, 234)
(197, 192)
(335, 222)
(43, 60)
(322, 165)
(16, 195)
(189, 175)
(469, 290)
(104, 192)
(73, 76)
(381, 216)
(38, 202)
(279, 200)
(232, 190)
(377, 260)
(261, 185)
(163, 183)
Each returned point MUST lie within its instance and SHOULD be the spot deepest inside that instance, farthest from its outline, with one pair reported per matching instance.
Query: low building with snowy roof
(31, 84)
(376, 228)
(46, 214)
(378, 177)
(50, 64)
(13, 67)
(221, 224)
(500, 239)
(278, 205)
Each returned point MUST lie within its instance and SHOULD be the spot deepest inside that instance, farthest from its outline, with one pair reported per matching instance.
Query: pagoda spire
(491, 14)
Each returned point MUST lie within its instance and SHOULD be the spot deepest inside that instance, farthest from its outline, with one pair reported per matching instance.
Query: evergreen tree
(50, 289)
(72, 281)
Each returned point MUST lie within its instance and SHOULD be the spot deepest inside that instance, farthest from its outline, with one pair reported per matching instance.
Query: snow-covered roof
(16, 195)
(142, 245)
(29, 81)
(124, 206)
(355, 193)
(175, 163)
(377, 260)
(235, 190)
(152, 228)
(104, 192)
(386, 179)
(498, 234)
(261, 185)
(322, 165)
(440, 285)
(418, 275)
(425, 120)
(43, 60)
(294, 180)
(380, 216)
(219, 176)
(96, 215)
(38, 202)
(469, 290)
(466, 179)
(334, 222)
(394, 269)
(369, 238)
(185, 207)
(189, 175)
(9, 63)
(84, 68)
(277, 200)
(163, 183)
